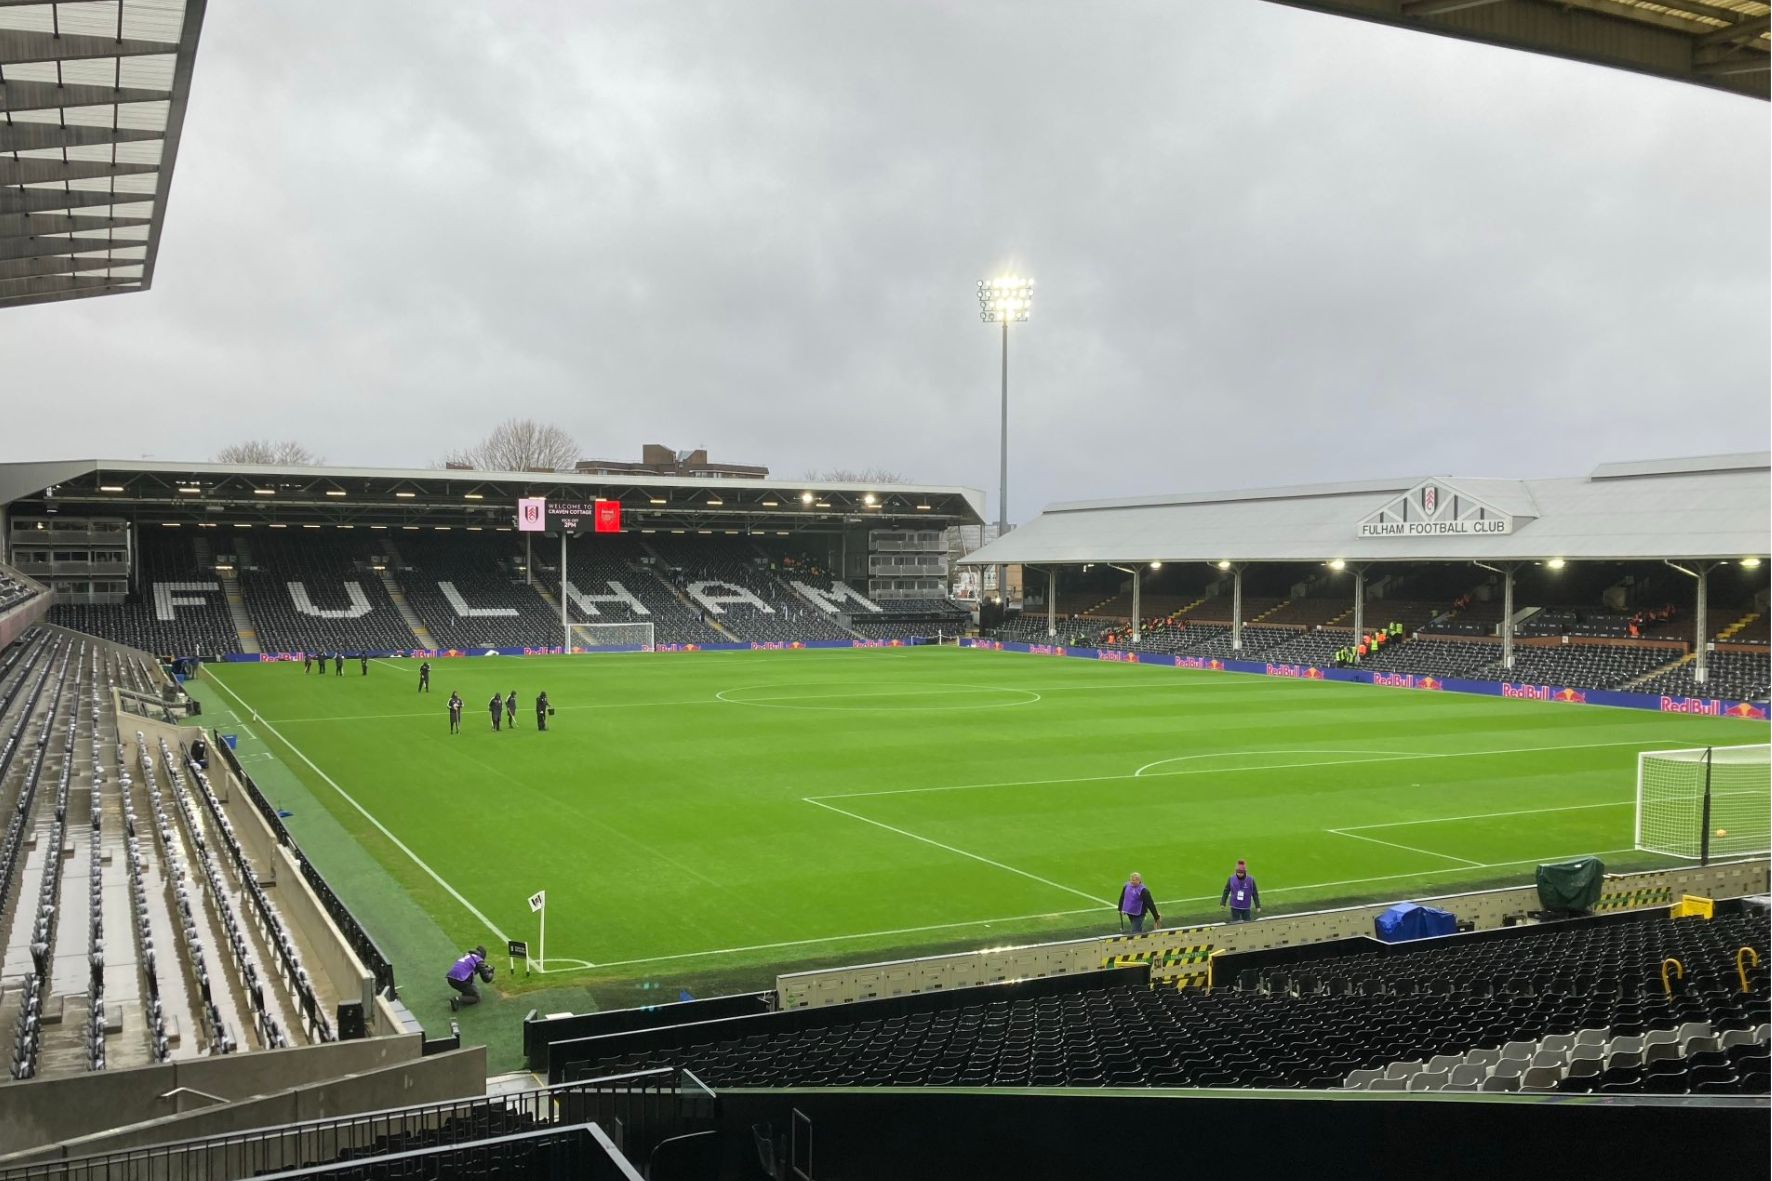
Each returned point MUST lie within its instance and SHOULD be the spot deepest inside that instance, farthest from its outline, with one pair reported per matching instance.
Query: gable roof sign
(1439, 508)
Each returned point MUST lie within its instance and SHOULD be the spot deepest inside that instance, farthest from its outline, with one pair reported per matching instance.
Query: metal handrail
(659, 1093)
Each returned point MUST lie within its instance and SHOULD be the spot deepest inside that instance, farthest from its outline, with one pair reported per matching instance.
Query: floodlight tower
(1004, 300)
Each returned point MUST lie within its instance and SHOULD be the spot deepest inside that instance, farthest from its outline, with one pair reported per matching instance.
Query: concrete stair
(243, 625)
(413, 623)
(1657, 671)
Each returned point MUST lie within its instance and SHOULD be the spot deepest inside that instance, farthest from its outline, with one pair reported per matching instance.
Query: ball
(1722, 832)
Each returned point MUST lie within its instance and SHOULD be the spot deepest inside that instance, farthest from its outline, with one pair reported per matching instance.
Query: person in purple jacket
(1136, 902)
(461, 977)
(1240, 892)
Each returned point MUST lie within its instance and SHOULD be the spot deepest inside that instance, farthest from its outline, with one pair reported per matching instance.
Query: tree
(287, 453)
(866, 475)
(519, 445)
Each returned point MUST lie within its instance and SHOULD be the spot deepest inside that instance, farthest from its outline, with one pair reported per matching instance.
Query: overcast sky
(1270, 246)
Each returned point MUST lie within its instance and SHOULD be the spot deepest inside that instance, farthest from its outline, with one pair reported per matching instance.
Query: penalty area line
(1406, 848)
(369, 816)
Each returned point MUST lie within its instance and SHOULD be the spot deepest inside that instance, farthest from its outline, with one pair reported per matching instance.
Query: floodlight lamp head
(1556, 563)
(1224, 564)
(1338, 564)
(1750, 563)
(1005, 299)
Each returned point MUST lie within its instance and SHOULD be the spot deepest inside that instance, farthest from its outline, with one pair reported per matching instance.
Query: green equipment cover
(1571, 885)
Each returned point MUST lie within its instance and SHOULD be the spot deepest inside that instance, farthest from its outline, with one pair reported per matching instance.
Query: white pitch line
(950, 848)
(1348, 829)
(369, 816)
(1384, 757)
(1407, 848)
(1393, 877)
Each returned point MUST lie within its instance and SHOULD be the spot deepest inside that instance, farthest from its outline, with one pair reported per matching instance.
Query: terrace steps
(398, 597)
(242, 619)
(1735, 629)
(1659, 670)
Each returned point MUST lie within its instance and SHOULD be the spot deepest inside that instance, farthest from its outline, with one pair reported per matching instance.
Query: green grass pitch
(713, 817)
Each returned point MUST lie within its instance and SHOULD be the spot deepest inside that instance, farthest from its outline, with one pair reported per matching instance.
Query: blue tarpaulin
(1406, 921)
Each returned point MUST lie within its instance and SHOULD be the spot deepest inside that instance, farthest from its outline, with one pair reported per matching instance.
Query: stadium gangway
(640, 1108)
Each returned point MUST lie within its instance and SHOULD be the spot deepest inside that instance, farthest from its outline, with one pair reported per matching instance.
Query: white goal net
(1723, 793)
(605, 637)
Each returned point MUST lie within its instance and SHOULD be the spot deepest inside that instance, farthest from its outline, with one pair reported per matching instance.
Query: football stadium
(674, 819)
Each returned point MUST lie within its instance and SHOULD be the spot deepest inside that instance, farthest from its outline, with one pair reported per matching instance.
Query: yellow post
(1679, 974)
(1212, 958)
(1745, 953)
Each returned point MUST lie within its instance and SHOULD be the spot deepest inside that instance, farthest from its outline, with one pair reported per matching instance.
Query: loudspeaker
(350, 1021)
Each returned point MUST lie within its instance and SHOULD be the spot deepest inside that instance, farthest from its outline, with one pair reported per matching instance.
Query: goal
(609, 637)
(1704, 802)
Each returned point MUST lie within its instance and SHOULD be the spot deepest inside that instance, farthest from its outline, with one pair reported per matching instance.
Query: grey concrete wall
(52, 1110)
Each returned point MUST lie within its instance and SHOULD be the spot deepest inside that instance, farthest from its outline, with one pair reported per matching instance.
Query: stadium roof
(92, 101)
(1711, 507)
(1722, 44)
(193, 492)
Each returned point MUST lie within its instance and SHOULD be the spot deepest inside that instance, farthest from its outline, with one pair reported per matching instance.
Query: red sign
(608, 516)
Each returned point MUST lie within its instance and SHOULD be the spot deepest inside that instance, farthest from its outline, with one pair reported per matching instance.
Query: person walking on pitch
(511, 710)
(338, 664)
(497, 706)
(424, 677)
(307, 663)
(364, 657)
(1240, 892)
(1136, 902)
(541, 711)
(455, 704)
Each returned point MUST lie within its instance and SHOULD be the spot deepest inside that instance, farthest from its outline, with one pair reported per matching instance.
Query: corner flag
(537, 900)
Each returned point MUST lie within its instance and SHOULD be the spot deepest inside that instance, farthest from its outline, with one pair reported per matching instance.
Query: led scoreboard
(538, 514)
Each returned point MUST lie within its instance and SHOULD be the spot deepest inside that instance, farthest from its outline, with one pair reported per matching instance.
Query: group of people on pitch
(502, 709)
(1239, 893)
(337, 659)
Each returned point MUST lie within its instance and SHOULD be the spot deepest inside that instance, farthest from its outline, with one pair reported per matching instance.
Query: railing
(365, 947)
(580, 1153)
(638, 1110)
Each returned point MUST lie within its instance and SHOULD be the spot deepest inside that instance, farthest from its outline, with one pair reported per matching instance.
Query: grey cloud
(1270, 246)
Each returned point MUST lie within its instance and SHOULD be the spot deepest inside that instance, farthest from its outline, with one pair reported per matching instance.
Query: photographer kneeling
(461, 978)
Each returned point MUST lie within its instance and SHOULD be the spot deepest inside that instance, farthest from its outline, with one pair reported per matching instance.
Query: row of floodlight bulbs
(1748, 563)
(1005, 298)
(869, 499)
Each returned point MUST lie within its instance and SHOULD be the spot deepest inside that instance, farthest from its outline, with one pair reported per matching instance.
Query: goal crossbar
(606, 637)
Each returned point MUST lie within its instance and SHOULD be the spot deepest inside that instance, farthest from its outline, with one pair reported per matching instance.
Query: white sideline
(950, 848)
(1054, 914)
(367, 815)
(1406, 848)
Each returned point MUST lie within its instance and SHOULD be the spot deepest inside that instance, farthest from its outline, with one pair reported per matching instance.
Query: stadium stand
(731, 580)
(176, 607)
(470, 592)
(1588, 666)
(1743, 675)
(128, 948)
(610, 578)
(313, 594)
(1308, 1023)
(14, 590)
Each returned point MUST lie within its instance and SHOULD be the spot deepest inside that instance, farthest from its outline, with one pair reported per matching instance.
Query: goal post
(609, 637)
(1705, 802)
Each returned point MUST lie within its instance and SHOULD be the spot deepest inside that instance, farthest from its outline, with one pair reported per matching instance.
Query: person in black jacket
(541, 711)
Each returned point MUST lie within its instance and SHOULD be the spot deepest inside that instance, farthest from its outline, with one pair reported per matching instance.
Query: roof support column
(1137, 584)
(1701, 622)
(1359, 608)
(1507, 609)
(1700, 618)
(1236, 609)
(1052, 603)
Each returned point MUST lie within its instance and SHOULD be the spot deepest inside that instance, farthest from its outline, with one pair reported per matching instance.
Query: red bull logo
(1404, 681)
(1284, 670)
(1572, 696)
(1117, 656)
(1693, 705)
(1526, 692)
(1313, 673)
(1746, 709)
(1215, 665)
